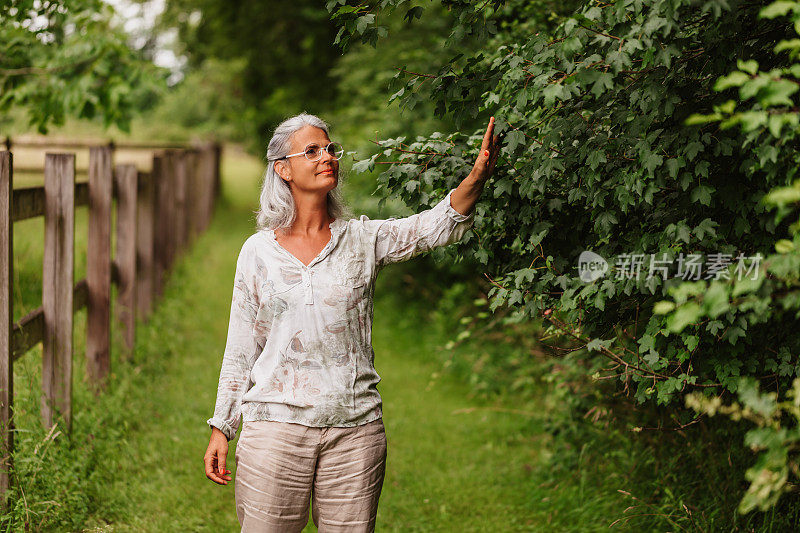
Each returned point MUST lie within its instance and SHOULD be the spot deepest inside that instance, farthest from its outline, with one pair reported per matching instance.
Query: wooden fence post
(191, 196)
(165, 220)
(98, 269)
(146, 268)
(217, 169)
(169, 228)
(202, 205)
(57, 286)
(179, 205)
(161, 219)
(6, 317)
(208, 184)
(169, 199)
(126, 179)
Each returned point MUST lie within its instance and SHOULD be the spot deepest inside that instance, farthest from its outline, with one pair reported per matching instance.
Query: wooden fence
(158, 214)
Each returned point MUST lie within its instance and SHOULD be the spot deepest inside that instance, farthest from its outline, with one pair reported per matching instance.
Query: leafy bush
(771, 121)
(604, 152)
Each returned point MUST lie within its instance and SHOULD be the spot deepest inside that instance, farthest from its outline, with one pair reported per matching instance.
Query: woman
(298, 363)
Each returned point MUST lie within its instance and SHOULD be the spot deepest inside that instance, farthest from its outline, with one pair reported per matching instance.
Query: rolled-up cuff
(223, 426)
(452, 213)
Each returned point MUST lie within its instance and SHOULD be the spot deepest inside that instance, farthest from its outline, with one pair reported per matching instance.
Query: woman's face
(311, 176)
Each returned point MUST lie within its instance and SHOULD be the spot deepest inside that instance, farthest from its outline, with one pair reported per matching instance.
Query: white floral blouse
(299, 346)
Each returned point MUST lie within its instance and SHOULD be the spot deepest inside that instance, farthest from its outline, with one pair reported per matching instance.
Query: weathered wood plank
(161, 219)
(192, 196)
(28, 202)
(179, 205)
(145, 264)
(57, 288)
(125, 262)
(6, 317)
(98, 268)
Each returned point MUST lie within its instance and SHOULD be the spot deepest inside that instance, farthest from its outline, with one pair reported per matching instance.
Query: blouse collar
(337, 228)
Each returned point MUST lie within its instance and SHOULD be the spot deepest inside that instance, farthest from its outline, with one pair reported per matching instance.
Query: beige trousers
(279, 463)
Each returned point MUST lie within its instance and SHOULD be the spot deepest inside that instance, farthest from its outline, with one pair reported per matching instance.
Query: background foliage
(67, 58)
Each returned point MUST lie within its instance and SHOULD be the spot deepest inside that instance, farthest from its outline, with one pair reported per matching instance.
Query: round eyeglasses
(313, 152)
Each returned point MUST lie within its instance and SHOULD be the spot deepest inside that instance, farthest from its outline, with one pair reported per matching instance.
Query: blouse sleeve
(400, 239)
(242, 347)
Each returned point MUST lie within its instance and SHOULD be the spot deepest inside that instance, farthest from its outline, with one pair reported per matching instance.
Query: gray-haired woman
(298, 363)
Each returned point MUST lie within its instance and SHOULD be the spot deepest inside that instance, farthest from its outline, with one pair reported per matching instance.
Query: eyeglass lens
(314, 152)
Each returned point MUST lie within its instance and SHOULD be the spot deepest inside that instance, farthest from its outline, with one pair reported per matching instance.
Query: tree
(67, 58)
(282, 50)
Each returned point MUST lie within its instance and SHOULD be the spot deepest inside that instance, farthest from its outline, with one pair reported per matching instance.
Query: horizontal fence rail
(158, 214)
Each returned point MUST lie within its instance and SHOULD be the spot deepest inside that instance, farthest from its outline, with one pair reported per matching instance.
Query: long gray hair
(277, 208)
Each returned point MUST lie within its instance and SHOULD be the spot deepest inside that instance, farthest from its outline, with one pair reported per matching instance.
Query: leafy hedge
(766, 109)
(605, 151)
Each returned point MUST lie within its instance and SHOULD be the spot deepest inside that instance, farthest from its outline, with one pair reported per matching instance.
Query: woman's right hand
(215, 457)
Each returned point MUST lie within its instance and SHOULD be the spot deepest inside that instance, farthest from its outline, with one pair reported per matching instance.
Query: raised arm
(446, 222)
(399, 239)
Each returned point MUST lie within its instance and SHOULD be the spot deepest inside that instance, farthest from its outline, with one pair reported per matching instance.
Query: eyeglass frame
(320, 155)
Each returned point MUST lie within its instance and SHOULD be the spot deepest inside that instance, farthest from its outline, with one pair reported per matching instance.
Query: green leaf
(652, 161)
(688, 313)
(746, 284)
(414, 12)
(596, 345)
(750, 396)
(513, 139)
(733, 334)
(791, 45)
(693, 148)
(503, 186)
(784, 246)
(363, 21)
(734, 79)
(571, 45)
(751, 66)
(702, 194)
(715, 300)
(604, 82)
(674, 164)
(663, 307)
(698, 118)
(361, 166)
(706, 227)
(552, 92)
(783, 196)
(777, 9)
(777, 93)
(596, 158)
(691, 342)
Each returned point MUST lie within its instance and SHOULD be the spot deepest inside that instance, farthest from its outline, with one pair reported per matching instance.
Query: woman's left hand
(490, 149)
